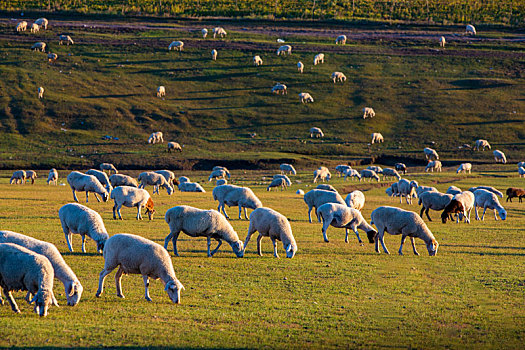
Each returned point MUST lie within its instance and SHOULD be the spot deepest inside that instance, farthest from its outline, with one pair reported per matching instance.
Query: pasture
(330, 295)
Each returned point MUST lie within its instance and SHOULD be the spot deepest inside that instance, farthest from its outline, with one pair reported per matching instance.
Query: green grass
(330, 295)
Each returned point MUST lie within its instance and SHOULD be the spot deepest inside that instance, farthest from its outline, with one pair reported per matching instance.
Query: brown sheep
(515, 192)
(454, 207)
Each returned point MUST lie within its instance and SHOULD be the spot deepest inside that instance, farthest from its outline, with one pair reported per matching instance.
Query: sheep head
(290, 251)
(173, 288)
(238, 248)
(432, 247)
(74, 293)
(149, 208)
(371, 235)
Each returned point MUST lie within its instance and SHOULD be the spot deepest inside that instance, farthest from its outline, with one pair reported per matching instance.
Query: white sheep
(488, 188)
(338, 76)
(430, 153)
(218, 174)
(375, 168)
(108, 167)
(406, 189)
(353, 173)
(406, 223)
(184, 179)
(204, 33)
(232, 195)
(219, 31)
(221, 182)
(284, 50)
(521, 171)
(305, 97)
(53, 177)
(481, 144)
(21, 26)
(341, 39)
(369, 174)
(102, 177)
(422, 189)
(326, 187)
(62, 271)
(453, 190)
(342, 169)
(132, 197)
(201, 223)
(499, 157)
(341, 216)
(368, 112)
(393, 190)
(464, 167)
(356, 200)
(52, 57)
(462, 204)
(300, 192)
(137, 255)
(389, 172)
(23, 269)
(156, 180)
(122, 180)
(322, 173)
(39, 46)
(287, 169)
(66, 38)
(43, 22)
(169, 176)
(161, 91)
(319, 58)
(88, 183)
(278, 182)
(174, 146)
(190, 187)
(19, 175)
(40, 92)
(316, 198)
(35, 28)
(280, 89)
(257, 61)
(433, 165)
(470, 29)
(401, 167)
(285, 178)
(79, 219)
(300, 66)
(176, 45)
(433, 200)
(488, 200)
(217, 167)
(521, 164)
(214, 55)
(156, 137)
(270, 223)
(442, 41)
(377, 138)
(316, 132)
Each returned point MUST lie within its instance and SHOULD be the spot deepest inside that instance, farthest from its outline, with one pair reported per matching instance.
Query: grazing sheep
(52, 57)
(284, 50)
(161, 91)
(109, 167)
(401, 167)
(377, 138)
(42, 22)
(315, 198)
(156, 180)
(316, 132)
(191, 187)
(341, 216)
(287, 169)
(393, 190)
(219, 31)
(369, 174)
(39, 46)
(521, 164)
(271, 224)
(470, 30)
(21, 26)
(122, 180)
(342, 169)
(305, 97)
(23, 269)
(35, 28)
(88, 183)
(430, 154)
(338, 76)
(462, 204)
(368, 112)
(232, 195)
(285, 178)
(442, 41)
(66, 38)
(217, 167)
(62, 271)
(156, 137)
(53, 176)
(218, 174)
(499, 157)
(326, 187)
(322, 173)
(406, 223)
(132, 197)
(40, 92)
(102, 177)
(176, 45)
(464, 167)
(169, 176)
(19, 175)
(433, 200)
(184, 179)
(481, 144)
(352, 173)
(453, 190)
(319, 58)
(406, 189)
(521, 171)
(278, 182)
(488, 188)
(375, 168)
(137, 255)
(201, 223)
(204, 33)
(174, 146)
(300, 66)
(515, 192)
(257, 61)
(280, 89)
(300, 192)
(341, 39)
(389, 172)
(422, 189)
(76, 218)
(488, 200)
(214, 55)
(221, 182)
(433, 165)
(356, 200)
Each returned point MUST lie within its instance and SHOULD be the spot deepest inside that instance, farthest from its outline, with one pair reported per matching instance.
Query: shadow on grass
(309, 121)
(111, 96)
(492, 122)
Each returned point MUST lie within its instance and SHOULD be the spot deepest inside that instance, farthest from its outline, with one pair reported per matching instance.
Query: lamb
(488, 188)
(284, 50)
(156, 137)
(464, 167)
(515, 192)
(499, 157)
(184, 179)
(201, 223)
(278, 182)
(21, 26)
(35, 28)
(488, 200)
(368, 112)
(169, 176)
(204, 33)
(102, 177)
(338, 76)
(218, 174)
(352, 173)
(453, 190)
(39, 46)
(369, 174)
(462, 203)
(132, 197)
(342, 169)
(40, 92)
(219, 31)
(231, 195)
(375, 168)
(322, 173)
(42, 22)
(122, 180)
(326, 187)
(76, 218)
(341, 39)
(305, 97)
(257, 61)
(316, 198)
(430, 154)
(406, 223)
(442, 41)
(176, 45)
(481, 144)
(377, 138)
(316, 132)
(89, 183)
(433, 200)
(53, 176)
(22, 269)
(470, 30)
(300, 67)
(66, 38)
(62, 271)
(137, 255)
(521, 171)
(52, 57)
(389, 172)
(280, 89)
(270, 223)
(109, 167)
(161, 91)
(156, 180)
(422, 189)
(319, 58)
(19, 175)
(190, 187)
(341, 216)
(285, 178)
(407, 189)
(221, 182)
(401, 167)
(433, 165)
(214, 55)
(287, 169)
(356, 200)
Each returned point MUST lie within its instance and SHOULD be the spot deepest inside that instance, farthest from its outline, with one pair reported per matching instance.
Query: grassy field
(330, 295)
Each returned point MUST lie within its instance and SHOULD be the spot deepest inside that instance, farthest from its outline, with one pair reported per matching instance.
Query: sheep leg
(245, 215)
(87, 196)
(28, 297)
(476, 209)
(11, 301)
(101, 279)
(114, 209)
(413, 241)
(483, 215)
(310, 214)
(259, 239)
(221, 207)
(118, 211)
(251, 231)
(69, 237)
(326, 224)
(175, 236)
(357, 234)
(403, 238)
(275, 248)
(428, 216)
(146, 287)
(75, 196)
(139, 215)
(83, 243)
(98, 199)
(118, 279)
(495, 216)
(210, 254)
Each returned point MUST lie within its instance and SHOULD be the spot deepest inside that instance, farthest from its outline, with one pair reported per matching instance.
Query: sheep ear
(289, 248)
(71, 290)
